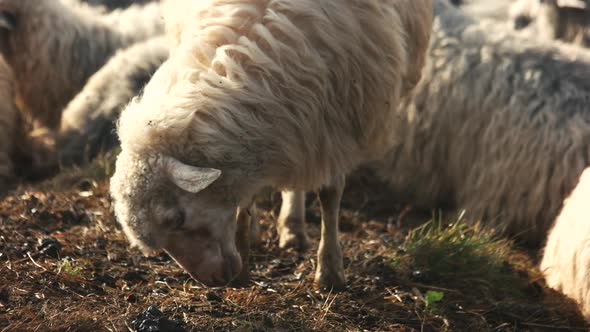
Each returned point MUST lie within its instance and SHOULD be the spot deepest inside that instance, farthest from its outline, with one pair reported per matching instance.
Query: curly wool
(248, 72)
(499, 126)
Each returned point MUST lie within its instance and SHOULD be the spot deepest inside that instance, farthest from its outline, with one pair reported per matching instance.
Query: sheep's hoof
(289, 239)
(331, 279)
(242, 279)
(292, 234)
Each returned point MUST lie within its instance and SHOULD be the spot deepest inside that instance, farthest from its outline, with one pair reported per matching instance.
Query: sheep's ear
(7, 21)
(190, 178)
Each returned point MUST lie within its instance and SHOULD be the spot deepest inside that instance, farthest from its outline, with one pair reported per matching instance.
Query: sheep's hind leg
(254, 225)
(291, 222)
(330, 271)
(244, 221)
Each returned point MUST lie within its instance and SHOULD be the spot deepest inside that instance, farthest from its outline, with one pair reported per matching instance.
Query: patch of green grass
(455, 255)
(69, 268)
(432, 298)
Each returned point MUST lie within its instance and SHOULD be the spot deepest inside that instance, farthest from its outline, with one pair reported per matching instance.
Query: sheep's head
(163, 203)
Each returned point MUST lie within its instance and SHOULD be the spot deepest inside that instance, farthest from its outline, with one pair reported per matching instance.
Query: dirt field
(65, 266)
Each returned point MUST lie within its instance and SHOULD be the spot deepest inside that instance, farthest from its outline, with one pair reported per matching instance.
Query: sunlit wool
(566, 259)
(285, 93)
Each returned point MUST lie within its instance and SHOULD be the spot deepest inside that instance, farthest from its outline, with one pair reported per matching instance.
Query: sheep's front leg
(330, 271)
(291, 223)
(244, 220)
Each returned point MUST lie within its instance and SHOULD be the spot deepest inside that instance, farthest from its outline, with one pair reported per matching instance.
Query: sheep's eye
(176, 220)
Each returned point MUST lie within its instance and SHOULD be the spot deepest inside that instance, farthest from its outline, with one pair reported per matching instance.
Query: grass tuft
(457, 254)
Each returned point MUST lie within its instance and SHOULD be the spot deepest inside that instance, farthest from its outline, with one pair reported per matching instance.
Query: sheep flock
(475, 107)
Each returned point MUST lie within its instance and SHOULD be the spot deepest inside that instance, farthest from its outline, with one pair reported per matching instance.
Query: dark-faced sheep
(292, 93)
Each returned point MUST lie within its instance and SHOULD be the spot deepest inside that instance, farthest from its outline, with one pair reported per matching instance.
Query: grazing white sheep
(566, 259)
(292, 93)
(8, 126)
(53, 48)
(499, 125)
(88, 122)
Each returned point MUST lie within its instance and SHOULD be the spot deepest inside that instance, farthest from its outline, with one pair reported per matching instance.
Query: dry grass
(91, 281)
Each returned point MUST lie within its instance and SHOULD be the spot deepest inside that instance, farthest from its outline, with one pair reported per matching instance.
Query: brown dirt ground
(92, 281)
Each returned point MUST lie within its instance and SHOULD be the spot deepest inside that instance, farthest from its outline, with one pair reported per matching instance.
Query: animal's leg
(330, 271)
(243, 235)
(291, 223)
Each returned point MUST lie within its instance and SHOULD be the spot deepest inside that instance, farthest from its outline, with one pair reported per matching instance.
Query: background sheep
(566, 260)
(88, 122)
(240, 105)
(499, 125)
(23, 153)
(53, 49)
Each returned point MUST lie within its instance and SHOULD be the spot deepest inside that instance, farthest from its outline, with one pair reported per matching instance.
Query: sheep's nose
(231, 268)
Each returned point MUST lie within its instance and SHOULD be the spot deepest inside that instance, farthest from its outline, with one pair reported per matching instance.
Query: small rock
(213, 297)
(135, 276)
(4, 295)
(420, 275)
(49, 247)
(100, 242)
(153, 320)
